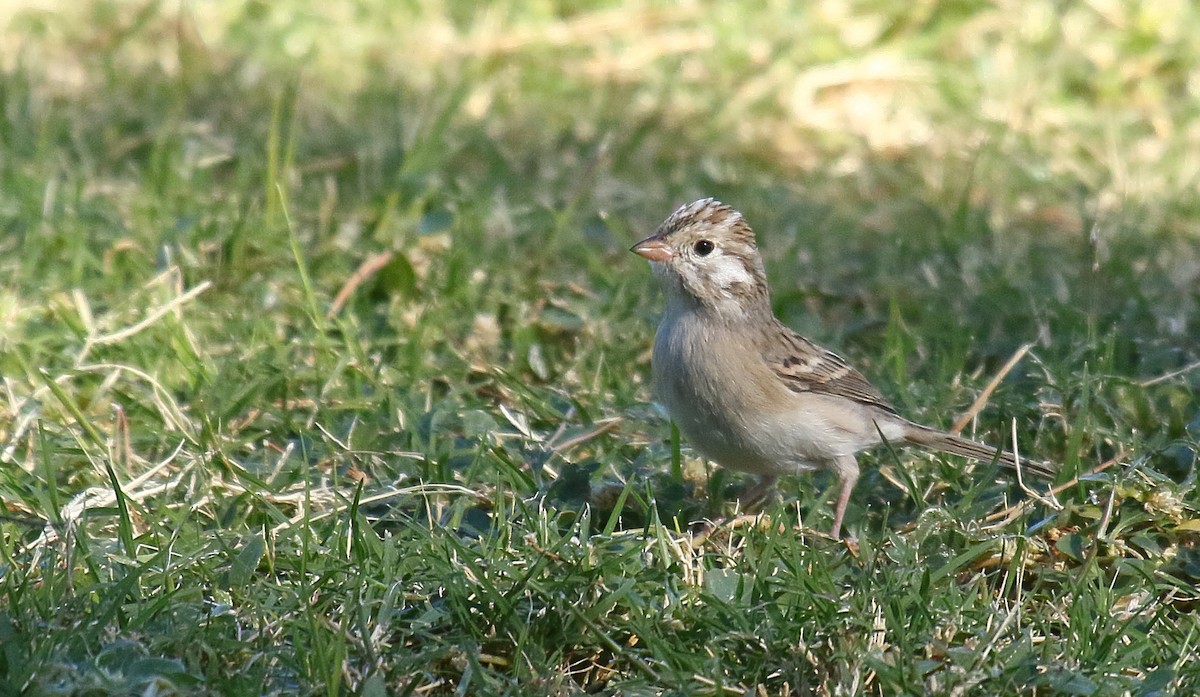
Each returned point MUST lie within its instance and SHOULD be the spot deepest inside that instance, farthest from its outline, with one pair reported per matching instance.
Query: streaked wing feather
(806, 367)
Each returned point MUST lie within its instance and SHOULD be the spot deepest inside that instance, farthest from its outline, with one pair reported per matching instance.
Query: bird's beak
(653, 249)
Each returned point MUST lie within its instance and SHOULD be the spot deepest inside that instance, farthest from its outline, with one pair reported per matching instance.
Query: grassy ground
(324, 362)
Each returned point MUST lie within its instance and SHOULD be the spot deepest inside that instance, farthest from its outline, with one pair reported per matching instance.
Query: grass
(324, 362)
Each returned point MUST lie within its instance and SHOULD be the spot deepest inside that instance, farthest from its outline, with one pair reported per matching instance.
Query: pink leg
(847, 471)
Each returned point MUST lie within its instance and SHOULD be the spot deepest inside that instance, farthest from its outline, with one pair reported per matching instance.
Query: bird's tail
(957, 445)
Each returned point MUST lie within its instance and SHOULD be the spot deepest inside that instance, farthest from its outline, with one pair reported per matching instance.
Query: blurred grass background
(324, 362)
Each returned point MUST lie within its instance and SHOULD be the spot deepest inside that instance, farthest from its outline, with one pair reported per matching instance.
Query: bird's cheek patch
(728, 271)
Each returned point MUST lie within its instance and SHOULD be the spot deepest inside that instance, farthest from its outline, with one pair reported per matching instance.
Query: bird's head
(705, 256)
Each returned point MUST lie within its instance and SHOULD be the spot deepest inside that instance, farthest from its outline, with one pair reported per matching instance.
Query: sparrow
(749, 393)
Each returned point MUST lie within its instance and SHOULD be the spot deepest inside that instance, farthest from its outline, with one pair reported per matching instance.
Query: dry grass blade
(982, 400)
(299, 497)
(1014, 511)
(365, 270)
(152, 317)
(140, 488)
(1171, 375)
(603, 426)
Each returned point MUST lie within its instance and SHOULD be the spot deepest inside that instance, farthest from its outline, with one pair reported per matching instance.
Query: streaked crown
(708, 213)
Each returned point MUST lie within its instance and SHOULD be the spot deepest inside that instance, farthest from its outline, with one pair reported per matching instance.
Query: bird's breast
(719, 392)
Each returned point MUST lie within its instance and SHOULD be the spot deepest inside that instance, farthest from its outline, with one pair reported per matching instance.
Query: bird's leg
(758, 493)
(847, 472)
(751, 499)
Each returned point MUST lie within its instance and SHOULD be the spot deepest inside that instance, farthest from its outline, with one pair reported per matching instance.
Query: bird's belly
(727, 443)
(738, 434)
(736, 430)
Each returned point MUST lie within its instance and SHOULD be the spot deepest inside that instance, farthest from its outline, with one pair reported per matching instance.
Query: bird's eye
(703, 248)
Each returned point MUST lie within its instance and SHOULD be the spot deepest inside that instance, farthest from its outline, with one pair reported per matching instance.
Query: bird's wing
(805, 367)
